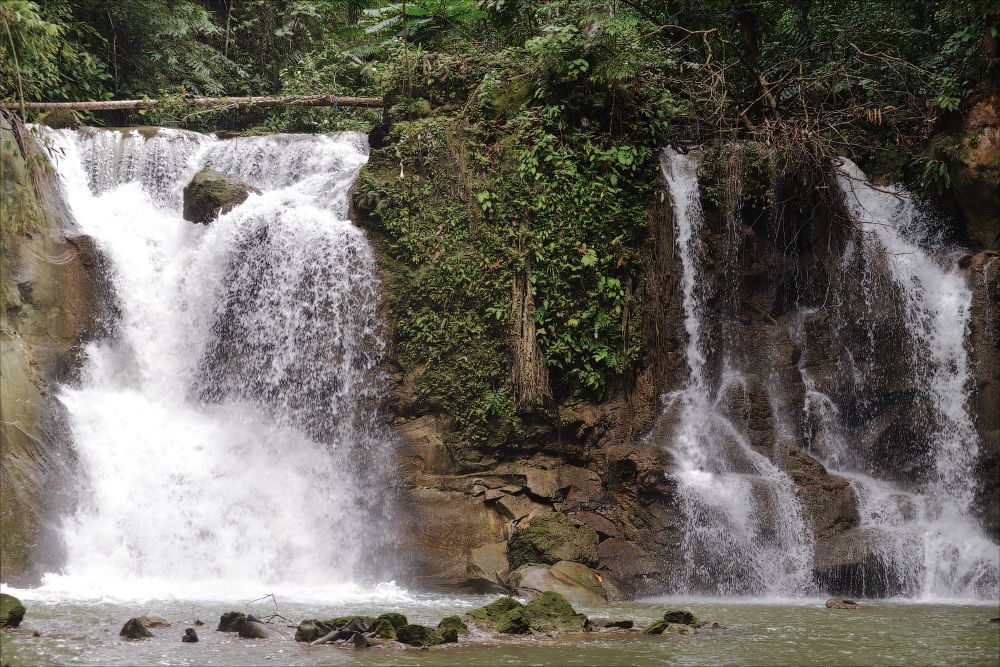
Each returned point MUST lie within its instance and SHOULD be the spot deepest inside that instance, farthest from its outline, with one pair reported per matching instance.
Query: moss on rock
(11, 611)
(550, 611)
(551, 538)
(514, 622)
(419, 635)
(490, 615)
(211, 193)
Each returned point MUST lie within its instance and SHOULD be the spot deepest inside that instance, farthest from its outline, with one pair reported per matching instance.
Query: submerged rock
(231, 621)
(254, 628)
(550, 538)
(190, 636)
(211, 193)
(11, 611)
(841, 603)
(312, 630)
(419, 635)
(623, 624)
(134, 629)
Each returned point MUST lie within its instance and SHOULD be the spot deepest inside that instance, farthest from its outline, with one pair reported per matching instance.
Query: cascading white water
(744, 533)
(226, 430)
(930, 538)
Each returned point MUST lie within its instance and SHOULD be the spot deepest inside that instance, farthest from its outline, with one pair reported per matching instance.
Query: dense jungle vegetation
(515, 158)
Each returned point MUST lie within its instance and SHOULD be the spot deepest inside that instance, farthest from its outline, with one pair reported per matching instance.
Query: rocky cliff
(50, 291)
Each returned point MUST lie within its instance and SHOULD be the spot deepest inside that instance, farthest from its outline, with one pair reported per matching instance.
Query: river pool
(789, 633)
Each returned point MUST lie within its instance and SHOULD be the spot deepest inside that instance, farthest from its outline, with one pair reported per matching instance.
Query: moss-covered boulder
(419, 635)
(551, 612)
(211, 193)
(655, 628)
(551, 538)
(11, 611)
(395, 619)
(451, 627)
(489, 615)
(383, 629)
(514, 622)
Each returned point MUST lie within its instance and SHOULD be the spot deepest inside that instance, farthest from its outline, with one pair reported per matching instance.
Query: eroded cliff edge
(50, 289)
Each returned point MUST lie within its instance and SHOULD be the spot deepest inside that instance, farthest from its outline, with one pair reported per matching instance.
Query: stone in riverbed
(489, 615)
(231, 621)
(211, 193)
(550, 611)
(623, 624)
(134, 629)
(418, 635)
(841, 603)
(253, 628)
(514, 622)
(190, 636)
(451, 627)
(680, 617)
(11, 611)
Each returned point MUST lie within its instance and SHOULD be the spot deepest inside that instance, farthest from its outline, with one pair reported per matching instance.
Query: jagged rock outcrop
(51, 289)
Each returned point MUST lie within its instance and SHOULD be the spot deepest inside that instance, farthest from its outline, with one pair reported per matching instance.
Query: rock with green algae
(551, 612)
(514, 622)
(395, 619)
(419, 635)
(451, 627)
(551, 538)
(211, 193)
(489, 615)
(383, 629)
(231, 621)
(677, 621)
(11, 611)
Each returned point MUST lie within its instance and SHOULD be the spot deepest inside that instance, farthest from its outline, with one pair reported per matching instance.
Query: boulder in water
(551, 612)
(190, 636)
(11, 611)
(231, 621)
(514, 622)
(419, 635)
(451, 627)
(615, 624)
(489, 616)
(134, 629)
(211, 193)
(680, 617)
(550, 538)
(841, 603)
(254, 628)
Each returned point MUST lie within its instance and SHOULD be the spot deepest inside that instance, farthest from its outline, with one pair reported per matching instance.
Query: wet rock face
(52, 300)
(211, 193)
(550, 538)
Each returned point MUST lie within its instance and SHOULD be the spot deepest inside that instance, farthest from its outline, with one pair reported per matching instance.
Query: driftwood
(301, 101)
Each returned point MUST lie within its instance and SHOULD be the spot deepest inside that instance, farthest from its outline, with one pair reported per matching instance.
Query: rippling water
(759, 634)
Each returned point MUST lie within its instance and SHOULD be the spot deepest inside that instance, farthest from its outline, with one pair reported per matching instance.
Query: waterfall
(744, 531)
(927, 537)
(226, 430)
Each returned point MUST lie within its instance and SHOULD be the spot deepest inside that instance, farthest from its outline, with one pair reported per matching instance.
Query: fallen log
(271, 101)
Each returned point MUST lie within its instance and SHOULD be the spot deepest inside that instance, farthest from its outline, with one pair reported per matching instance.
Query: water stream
(226, 431)
(744, 532)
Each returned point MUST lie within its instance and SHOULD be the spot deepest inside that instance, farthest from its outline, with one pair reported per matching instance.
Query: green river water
(800, 633)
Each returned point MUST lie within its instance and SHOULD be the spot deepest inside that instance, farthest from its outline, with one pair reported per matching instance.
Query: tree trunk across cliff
(300, 101)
